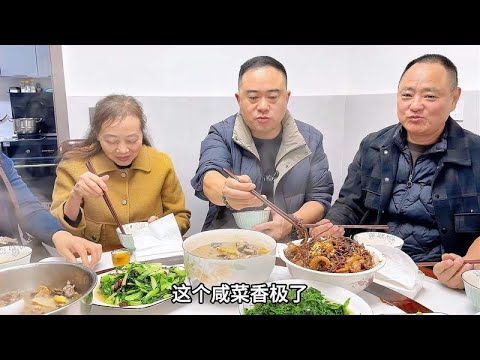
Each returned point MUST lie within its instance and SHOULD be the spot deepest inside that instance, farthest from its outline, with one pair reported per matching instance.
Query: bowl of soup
(47, 288)
(230, 256)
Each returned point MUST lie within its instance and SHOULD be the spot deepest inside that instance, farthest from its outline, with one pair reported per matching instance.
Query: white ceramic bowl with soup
(14, 255)
(352, 281)
(212, 268)
(372, 238)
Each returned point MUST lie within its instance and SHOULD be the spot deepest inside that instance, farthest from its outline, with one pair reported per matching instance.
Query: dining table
(435, 296)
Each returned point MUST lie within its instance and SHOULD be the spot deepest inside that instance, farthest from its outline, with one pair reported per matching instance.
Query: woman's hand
(90, 185)
(152, 219)
(68, 245)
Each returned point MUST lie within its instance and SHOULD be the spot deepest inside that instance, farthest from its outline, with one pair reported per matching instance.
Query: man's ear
(456, 95)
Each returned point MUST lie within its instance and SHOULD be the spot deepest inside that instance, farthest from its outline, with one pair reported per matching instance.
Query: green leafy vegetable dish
(138, 284)
(312, 302)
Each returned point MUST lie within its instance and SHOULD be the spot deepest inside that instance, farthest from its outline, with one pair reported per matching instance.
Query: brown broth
(229, 250)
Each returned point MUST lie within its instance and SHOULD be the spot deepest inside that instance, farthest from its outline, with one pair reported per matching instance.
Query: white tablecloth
(435, 296)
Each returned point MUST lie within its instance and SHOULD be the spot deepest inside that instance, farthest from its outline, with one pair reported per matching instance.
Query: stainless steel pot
(53, 275)
(26, 126)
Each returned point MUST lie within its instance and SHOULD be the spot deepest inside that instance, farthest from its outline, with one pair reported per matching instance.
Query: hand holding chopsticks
(433, 263)
(295, 223)
(90, 168)
(365, 226)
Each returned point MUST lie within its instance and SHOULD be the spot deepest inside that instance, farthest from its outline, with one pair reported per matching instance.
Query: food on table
(42, 300)
(337, 254)
(139, 283)
(312, 302)
(229, 250)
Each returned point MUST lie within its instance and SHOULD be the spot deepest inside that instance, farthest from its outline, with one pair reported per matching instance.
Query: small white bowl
(378, 238)
(248, 219)
(127, 239)
(471, 280)
(14, 255)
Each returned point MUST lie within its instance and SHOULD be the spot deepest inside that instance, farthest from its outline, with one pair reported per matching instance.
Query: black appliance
(35, 105)
(31, 151)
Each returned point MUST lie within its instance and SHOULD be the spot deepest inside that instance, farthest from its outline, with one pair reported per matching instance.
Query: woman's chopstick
(90, 168)
(270, 204)
(370, 227)
(433, 263)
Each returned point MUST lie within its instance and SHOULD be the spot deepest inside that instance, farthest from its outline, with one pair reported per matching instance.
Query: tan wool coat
(149, 187)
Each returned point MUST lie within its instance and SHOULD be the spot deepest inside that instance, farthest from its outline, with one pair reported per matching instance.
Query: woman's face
(121, 140)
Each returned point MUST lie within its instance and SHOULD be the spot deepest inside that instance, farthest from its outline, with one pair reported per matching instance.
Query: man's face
(425, 99)
(121, 140)
(263, 98)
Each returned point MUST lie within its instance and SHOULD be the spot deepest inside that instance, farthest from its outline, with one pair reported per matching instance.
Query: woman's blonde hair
(110, 108)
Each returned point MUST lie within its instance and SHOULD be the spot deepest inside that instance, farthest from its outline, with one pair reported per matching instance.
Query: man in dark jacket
(37, 221)
(421, 176)
(280, 157)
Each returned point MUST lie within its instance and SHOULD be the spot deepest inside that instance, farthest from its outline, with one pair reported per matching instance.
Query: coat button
(123, 174)
(436, 196)
(124, 202)
(444, 230)
(387, 179)
(385, 152)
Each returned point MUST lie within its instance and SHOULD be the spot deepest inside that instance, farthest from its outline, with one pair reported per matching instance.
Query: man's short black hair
(259, 62)
(437, 59)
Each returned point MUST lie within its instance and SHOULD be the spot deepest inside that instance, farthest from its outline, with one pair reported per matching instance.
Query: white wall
(197, 70)
(373, 75)
(185, 89)
(376, 69)
(318, 76)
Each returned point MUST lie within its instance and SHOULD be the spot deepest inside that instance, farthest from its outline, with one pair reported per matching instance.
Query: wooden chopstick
(372, 227)
(433, 263)
(90, 168)
(270, 204)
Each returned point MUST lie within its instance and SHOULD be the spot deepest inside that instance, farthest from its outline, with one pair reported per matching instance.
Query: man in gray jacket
(280, 157)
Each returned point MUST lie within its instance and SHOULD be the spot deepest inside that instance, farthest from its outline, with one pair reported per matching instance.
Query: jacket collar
(104, 165)
(291, 137)
(457, 148)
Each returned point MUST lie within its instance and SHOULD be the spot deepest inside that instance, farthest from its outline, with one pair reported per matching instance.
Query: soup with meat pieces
(41, 300)
(229, 250)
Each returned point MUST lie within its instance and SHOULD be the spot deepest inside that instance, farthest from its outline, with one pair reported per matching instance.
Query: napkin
(399, 273)
(160, 238)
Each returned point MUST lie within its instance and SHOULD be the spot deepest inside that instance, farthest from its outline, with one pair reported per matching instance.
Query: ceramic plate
(98, 297)
(357, 305)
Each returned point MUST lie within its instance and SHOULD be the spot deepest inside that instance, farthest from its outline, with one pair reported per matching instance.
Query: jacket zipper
(409, 185)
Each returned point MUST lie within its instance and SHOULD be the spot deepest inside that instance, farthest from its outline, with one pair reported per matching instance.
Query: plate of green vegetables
(137, 285)
(316, 298)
